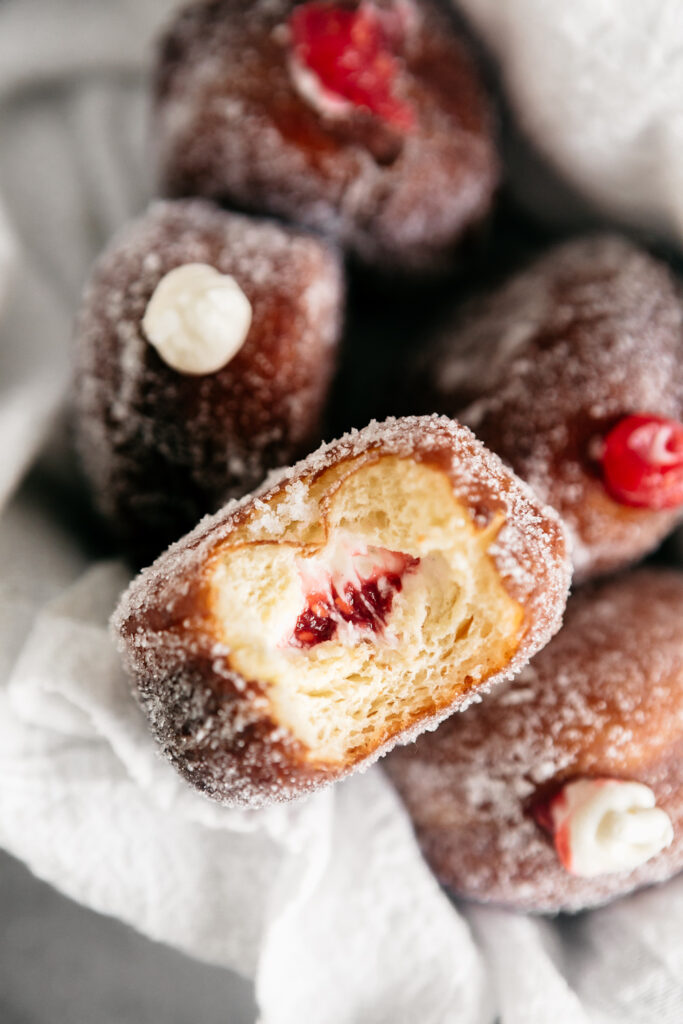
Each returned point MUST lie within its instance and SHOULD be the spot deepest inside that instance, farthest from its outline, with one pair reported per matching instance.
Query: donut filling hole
(363, 603)
(349, 584)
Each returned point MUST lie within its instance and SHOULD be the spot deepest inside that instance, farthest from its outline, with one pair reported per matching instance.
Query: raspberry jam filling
(547, 813)
(345, 56)
(351, 584)
(642, 462)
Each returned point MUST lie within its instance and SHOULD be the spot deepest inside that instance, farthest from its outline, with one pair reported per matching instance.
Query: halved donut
(363, 596)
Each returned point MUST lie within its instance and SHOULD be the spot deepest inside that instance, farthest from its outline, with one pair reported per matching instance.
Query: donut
(366, 121)
(205, 348)
(564, 788)
(385, 581)
(573, 373)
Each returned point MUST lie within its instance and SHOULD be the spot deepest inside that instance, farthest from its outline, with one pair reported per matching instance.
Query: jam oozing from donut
(347, 56)
(352, 584)
(546, 814)
(642, 462)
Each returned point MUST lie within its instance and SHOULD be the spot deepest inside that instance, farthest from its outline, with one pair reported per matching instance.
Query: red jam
(351, 52)
(364, 601)
(545, 813)
(642, 462)
(316, 624)
(542, 813)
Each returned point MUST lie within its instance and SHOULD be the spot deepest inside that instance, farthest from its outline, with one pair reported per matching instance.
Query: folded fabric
(27, 398)
(7, 253)
(326, 903)
(73, 165)
(596, 87)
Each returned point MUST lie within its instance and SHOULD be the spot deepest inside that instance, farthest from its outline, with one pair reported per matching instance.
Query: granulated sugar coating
(544, 368)
(231, 123)
(604, 699)
(206, 632)
(162, 448)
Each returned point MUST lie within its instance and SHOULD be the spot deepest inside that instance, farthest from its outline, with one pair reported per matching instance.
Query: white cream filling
(603, 826)
(197, 319)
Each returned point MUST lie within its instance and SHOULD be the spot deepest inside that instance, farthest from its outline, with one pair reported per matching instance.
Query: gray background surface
(62, 964)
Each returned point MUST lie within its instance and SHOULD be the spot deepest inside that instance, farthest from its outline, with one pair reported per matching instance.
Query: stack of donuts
(403, 590)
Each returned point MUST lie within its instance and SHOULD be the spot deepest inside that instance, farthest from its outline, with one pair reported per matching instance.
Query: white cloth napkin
(28, 397)
(326, 904)
(596, 87)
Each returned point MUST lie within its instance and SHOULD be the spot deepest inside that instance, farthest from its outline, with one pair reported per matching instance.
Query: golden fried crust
(230, 125)
(161, 448)
(604, 699)
(544, 368)
(218, 727)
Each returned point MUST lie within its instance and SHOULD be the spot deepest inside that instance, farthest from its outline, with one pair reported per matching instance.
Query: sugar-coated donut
(205, 347)
(366, 121)
(573, 373)
(356, 600)
(564, 789)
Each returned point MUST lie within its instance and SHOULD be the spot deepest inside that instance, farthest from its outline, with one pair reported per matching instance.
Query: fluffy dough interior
(450, 626)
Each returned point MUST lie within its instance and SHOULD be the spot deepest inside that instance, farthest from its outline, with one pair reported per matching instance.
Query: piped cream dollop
(197, 319)
(603, 826)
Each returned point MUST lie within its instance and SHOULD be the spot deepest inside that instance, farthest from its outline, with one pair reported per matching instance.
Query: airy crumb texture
(230, 124)
(604, 699)
(545, 367)
(451, 626)
(263, 675)
(162, 448)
